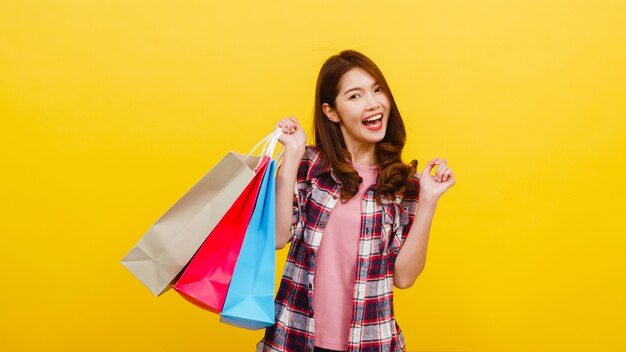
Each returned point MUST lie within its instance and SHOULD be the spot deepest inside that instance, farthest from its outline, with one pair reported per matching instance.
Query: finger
(447, 175)
(440, 173)
(293, 124)
(287, 125)
(429, 166)
(441, 168)
(444, 176)
(451, 178)
(282, 126)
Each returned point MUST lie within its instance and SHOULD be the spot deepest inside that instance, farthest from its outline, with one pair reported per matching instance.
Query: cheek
(385, 102)
(350, 112)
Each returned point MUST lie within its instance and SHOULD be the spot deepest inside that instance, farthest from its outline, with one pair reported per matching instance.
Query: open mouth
(374, 122)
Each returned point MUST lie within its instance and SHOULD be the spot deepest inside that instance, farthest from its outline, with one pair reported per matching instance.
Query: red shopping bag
(206, 279)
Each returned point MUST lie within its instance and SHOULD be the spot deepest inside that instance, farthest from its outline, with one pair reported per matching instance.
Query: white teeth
(375, 117)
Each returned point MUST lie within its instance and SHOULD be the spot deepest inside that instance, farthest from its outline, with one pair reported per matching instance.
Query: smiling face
(361, 109)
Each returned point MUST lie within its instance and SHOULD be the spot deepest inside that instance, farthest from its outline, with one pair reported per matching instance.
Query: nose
(372, 102)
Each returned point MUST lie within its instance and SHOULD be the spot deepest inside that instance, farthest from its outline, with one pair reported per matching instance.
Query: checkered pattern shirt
(384, 228)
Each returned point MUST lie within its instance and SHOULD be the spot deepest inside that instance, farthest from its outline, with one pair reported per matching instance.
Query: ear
(330, 113)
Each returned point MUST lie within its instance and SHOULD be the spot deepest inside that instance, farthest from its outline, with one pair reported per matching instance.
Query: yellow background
(112, 110)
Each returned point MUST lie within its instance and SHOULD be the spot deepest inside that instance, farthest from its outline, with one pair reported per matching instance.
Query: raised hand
(433, 186)
(293, 136)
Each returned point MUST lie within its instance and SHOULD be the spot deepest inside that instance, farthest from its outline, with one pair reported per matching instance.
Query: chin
(378, 138)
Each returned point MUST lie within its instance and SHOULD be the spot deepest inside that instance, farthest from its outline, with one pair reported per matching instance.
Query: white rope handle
(265, 141)
(269, 145)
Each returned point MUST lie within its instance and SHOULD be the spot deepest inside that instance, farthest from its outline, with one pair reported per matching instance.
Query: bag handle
(265, 142)
(271, 150)
(272, 142)
(269, 146)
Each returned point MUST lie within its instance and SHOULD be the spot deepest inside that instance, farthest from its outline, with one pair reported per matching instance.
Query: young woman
(353, 221)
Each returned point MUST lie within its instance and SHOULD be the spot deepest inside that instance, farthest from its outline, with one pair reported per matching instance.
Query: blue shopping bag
(250, 299)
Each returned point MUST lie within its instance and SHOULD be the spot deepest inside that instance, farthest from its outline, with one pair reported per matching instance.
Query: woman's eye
(378, 90)
(354, 96)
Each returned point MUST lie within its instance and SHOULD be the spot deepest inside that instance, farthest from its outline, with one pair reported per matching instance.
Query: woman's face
(361, 109)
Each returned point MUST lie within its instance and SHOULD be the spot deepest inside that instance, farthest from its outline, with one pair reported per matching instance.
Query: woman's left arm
(411, 258)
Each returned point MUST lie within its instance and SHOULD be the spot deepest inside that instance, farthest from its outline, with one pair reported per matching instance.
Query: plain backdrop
(111, 110)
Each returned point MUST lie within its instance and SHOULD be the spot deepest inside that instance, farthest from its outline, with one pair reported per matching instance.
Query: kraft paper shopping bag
(170, 243)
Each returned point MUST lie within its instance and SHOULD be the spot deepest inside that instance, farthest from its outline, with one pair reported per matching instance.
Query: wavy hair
(394, 175)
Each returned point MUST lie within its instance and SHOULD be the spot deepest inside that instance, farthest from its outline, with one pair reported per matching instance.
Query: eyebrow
(359, 88)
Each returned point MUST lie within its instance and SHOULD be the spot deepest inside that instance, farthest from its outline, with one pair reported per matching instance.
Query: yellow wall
(111, 110)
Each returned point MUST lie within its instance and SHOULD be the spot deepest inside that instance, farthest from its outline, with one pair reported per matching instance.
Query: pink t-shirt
(335, 268)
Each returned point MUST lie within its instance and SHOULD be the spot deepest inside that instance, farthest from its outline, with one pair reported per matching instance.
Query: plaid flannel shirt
(383, 230)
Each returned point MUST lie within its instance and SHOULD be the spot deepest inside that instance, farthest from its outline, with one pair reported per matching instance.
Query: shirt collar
(322, 166)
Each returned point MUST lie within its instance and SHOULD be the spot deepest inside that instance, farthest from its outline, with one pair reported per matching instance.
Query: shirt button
(335, 197)
(310, 286)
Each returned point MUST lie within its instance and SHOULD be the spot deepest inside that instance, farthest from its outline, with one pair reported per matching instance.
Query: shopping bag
(205, 280)
(250, 299)
(170, 243)
(172, 240)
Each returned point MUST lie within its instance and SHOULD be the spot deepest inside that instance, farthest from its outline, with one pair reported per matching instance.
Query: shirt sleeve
(297, 223)
(406, 209)
(300, 196)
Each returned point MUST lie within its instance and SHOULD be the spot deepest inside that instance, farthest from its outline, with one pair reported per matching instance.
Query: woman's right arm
(294, 141)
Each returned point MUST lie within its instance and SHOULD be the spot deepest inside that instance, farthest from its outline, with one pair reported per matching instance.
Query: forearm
(285, 182)
(412, 256)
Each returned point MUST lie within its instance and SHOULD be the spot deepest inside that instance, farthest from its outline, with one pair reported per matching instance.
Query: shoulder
(312, 163)
(408, 201)
(411, 191)
(311, 153)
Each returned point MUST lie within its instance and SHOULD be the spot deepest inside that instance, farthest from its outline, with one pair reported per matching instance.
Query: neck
(363, 154)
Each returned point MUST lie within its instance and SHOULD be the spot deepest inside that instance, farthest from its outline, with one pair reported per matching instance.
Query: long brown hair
(394, 175)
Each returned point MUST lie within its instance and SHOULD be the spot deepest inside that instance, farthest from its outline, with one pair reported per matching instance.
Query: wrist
(428, 199)
(294, 149)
